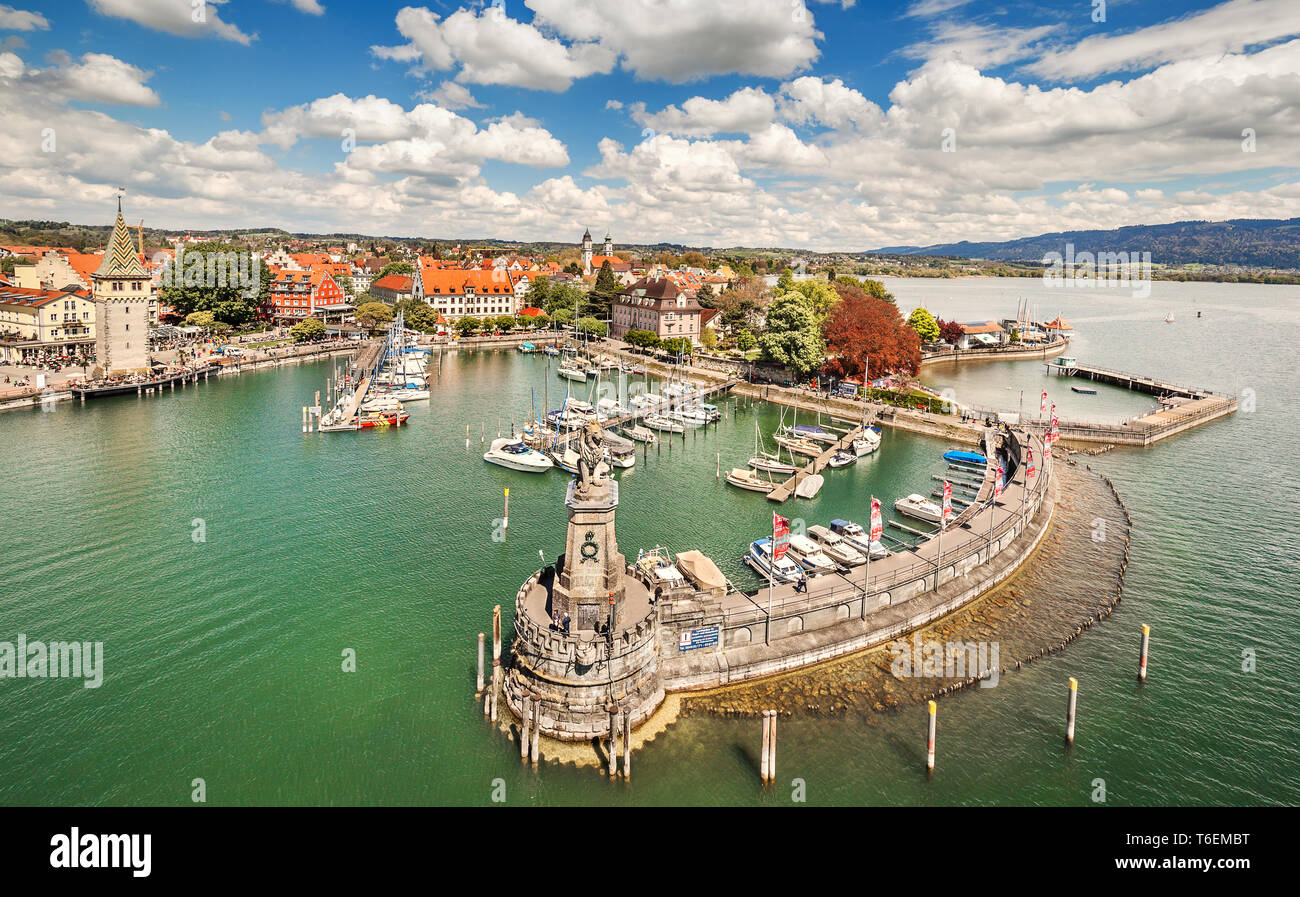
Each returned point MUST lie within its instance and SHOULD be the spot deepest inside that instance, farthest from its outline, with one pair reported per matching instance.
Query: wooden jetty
(704, 394)
(817, 465)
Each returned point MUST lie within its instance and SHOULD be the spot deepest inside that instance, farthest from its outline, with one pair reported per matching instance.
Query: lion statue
(591, 456)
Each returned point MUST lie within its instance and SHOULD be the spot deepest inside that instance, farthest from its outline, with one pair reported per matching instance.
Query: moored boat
(962, 457)
(1083, 390)
(809, 486)
(747, 479)
(810, 555)
(842, 459)
(856, 536)
(781, 569)
(509, 451)
(836, 547)
(919, 508)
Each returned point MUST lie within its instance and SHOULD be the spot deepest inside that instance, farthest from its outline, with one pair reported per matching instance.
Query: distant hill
(1248, 242)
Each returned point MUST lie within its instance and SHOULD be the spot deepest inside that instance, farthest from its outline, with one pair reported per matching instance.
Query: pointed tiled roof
(120, 259)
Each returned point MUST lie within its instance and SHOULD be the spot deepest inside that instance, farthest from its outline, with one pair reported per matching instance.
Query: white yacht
(571, 370)
(919, 508)
(836, 547)
(760, 558)
(509, 452)
(868, 442)
(810, 555)
(856, 536)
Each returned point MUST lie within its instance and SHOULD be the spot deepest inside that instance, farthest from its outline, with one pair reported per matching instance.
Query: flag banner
(1042, 405)
(877, 525)
(1000, 483)
(947, 502)
(780, 535)
(1047, 449)
(1029, 464)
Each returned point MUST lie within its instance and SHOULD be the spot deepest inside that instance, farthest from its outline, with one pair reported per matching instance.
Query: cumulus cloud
(96, 78)
(682, 40)
(451, 95)
(491, 48)
(21, 20)
(180, 17)
(748, 109)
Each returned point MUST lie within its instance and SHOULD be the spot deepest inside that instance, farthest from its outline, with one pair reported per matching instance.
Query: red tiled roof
(33, 298)
(531, 311)
(399, 283)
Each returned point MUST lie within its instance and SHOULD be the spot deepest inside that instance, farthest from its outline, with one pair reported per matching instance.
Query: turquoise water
(223, 658)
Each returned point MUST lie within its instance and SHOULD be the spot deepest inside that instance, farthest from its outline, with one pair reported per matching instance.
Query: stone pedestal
(589, 588)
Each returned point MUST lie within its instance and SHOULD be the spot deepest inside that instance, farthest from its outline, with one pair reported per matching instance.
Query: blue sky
(710, 122)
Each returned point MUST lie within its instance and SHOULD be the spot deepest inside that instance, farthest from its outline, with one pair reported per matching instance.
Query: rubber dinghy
(965, 457)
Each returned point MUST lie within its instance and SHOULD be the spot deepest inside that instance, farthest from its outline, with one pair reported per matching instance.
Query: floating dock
(817, 465)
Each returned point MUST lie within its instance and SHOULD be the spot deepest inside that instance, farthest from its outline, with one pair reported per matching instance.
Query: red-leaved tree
(949, 331)
(862, 329)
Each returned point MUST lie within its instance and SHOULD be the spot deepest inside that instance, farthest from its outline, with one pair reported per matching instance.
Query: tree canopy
(866, 334)
(196, 285)
(308, 329)
(395, 268)
(924, 324)
(374, 315)
(793, 336)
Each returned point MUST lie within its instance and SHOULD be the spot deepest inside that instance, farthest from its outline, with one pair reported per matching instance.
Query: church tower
(609, 244)
(121, 287)
(586, 251)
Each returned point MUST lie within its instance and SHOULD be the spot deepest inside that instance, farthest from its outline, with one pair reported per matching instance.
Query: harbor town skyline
(827, 126)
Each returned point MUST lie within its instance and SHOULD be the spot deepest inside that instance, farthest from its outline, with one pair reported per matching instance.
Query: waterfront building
(657, 305)
(392, 288)
(122, 290)
(980, 334)
(37, 324)
(300, 294)
(468, 292)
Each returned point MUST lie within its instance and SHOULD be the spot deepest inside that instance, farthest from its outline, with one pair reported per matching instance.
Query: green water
(223, 658)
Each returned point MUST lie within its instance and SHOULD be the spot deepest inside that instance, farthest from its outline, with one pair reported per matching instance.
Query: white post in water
(478, 681)
(523, 729)
(613, 741)
(771, 750)
(1146, 644)
(537, 729)
(505, 517)
(767, 739)
(929, 743)
(627, 744)
(1070, 708)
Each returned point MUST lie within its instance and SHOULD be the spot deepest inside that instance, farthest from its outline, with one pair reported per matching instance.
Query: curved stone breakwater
(1074, 580)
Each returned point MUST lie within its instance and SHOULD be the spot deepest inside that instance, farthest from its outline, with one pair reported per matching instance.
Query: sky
(818, 124)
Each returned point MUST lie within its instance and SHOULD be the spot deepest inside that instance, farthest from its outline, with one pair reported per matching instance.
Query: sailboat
(1169, 318)
(764, 461)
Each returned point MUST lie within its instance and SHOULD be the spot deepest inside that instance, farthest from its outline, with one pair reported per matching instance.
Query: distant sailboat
(1169, 318)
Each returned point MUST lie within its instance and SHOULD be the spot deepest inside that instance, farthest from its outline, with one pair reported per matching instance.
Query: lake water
(223, 657)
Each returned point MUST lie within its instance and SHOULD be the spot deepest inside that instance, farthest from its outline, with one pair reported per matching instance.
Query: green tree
(198, 285)
(745, 340)
(785, 282)
(706, 297)
(563, 316)
(562, 296)
(345, 283)
(468, 325)
(504, 322)
(709, 338)
(204, 319)
(793, 336)
(876, 289)
(539, 292)
(374, 315)
(418, 314)
(646, 339)
(395, 268)
(821, 296)
(592, 326)
(924, 324)
(310, 329)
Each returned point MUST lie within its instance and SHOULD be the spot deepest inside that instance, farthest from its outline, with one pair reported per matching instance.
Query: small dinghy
(1083, 390)
(842, 459)
(809, 487)
(966, 458)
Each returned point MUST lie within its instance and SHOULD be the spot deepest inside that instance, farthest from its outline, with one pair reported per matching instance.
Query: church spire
(120, 258)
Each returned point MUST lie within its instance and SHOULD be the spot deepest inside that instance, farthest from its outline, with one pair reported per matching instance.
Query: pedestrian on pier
(802, 584)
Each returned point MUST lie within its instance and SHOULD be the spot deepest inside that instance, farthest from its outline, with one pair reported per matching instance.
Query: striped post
(767, 737)
(771, 761)
(1146, 645)
(478, 681)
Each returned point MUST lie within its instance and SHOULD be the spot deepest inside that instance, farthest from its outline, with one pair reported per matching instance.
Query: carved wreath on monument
(590, 550)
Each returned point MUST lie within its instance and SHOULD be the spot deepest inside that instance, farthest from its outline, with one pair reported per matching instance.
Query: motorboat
(743, 478)
(809, 486)
(856, 536)
(641, 434)
(571, 371)
(575, 414)
(551, 350)
(842, 459)
(527, 348)
(810, 555)
(408, 394)
(656, 569)
(966, 458)
(866, 443)
(621, 451)
(663, 424)
(509, 451)
(1083, 390)
(781, 569)
(384, 402)
(711, 412)
(380, 419)
(690, 416)
(919, 508)
(800, 446)
(836, 547)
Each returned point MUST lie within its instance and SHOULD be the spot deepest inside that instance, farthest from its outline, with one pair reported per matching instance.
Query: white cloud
(492, 48)
(748, 109)
(178, 17)
(21, 20)
(810, 100)
(927, 8)
(451, 95)
(97, 78)
(982, 46)
(310, 7)
(1227, 28)
(681, 40)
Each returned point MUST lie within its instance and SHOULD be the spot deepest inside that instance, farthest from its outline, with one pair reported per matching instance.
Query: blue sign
(690, 639)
